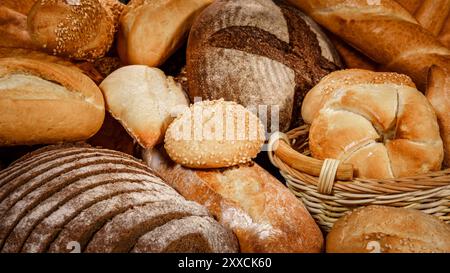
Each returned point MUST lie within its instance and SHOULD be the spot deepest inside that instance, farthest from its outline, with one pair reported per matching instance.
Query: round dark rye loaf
(64, 193)
(257, 52)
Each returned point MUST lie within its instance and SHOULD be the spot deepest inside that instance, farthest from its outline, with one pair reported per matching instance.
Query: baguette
(432, 14)
(264, 215)
(384, 31)
(13, 29)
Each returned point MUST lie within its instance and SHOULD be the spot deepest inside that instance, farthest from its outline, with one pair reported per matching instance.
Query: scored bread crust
(40, 116)
(260, 210)
(388, 230)
(350, 116)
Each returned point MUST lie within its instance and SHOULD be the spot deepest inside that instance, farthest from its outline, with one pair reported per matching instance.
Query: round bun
(142, 99)
(43, 101)
(104, 201)
(376, 121)
(388, 230)
(78, 29)
(214, 134)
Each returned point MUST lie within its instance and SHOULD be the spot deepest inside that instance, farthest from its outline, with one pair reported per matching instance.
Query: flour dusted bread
(260, 210)
(43, 100)
(378, 122)
(214, 134)
(78, 29)
(144, 101)
(257, 52)
(151, 30)
(388, 230)
(65, 193)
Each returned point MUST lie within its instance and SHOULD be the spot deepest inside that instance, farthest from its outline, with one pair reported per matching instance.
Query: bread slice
(123, 231)
(187, 235)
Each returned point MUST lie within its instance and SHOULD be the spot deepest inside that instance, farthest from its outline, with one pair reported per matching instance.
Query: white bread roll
(376, 121)
(214, 134)
(141, 98)
(151, 30)
(388, 230)
(43, 101)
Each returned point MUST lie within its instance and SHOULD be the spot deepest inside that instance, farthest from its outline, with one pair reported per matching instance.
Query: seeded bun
(77, 29)
(214, 134)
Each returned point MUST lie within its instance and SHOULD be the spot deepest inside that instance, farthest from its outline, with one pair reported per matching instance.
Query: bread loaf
(103, 200)
(81, 29)
(376, 121)
(214, 134)
(144, 101)
(13, 29)
(257, 52)
(438, 93)
(150, 31)
(388, 230)
(384, 31)
(44, 101)
(262, 212)
(22, 6)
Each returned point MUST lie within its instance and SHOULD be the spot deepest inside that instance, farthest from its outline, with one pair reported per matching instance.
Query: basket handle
(280, 145)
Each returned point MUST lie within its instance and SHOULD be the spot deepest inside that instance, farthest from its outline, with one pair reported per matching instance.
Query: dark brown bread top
(239, 26)
(64, 193)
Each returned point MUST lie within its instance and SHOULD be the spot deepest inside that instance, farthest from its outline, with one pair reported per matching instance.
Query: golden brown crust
(388, 230)
(382, 30)
(46, 102)
(22, 6)
(438, 93)
(81, 29)
(214, 134)
(13, 29)
(264, 215)
(352, 111)
(151, 31)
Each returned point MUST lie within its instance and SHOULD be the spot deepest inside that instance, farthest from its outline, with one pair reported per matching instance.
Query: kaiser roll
(379, 122)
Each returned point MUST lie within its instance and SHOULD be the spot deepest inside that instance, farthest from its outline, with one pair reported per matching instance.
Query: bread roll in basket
(330, 188)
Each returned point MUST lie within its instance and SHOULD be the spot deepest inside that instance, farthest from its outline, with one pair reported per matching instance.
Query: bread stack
(194, 88)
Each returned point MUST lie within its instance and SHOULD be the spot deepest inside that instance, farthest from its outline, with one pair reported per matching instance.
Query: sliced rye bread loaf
(123, 231)
(12, 214)
(24, 227)
(62, 193)
(82, 228)
(45, 232)
(182, 235)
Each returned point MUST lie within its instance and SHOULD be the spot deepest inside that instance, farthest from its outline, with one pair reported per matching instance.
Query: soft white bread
(78, 29)
(45, 102)
(384, 31)
(438, 93)
(376, 121)
(143, 100)
(214, 134)
(264, 215)
(388, 230)
(151, 30)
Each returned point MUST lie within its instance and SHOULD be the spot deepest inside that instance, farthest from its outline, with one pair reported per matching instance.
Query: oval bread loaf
(214, 134)
(103, 200)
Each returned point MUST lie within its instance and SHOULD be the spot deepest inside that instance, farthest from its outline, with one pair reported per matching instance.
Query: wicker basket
(328, 189)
